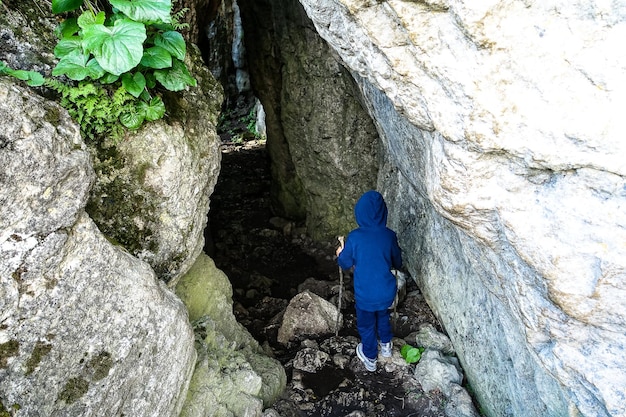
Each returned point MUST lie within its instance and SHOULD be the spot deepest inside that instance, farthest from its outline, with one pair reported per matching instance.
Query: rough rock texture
(322, 143)
(308, 315)
(79, 315)
(151, 193)
(504, 171)
(152, 190)
(232, 376)
(26, 31)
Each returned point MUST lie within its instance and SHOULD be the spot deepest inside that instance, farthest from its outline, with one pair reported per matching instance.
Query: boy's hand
(340, 248)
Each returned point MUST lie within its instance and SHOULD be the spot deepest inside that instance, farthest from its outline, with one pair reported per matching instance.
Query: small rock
(310, 360)
(428, 337)
(341, 361)
(436, 371)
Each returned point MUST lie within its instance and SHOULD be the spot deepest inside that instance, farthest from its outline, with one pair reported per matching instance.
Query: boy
(373, 250)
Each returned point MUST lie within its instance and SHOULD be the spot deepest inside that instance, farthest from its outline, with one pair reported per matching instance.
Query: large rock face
(79, 315)
(232, 375)
(322, 142)
(504, 171)
(151, 193)
(152, 190)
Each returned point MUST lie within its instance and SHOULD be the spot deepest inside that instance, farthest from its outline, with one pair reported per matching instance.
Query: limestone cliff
(87, 328)
(504, 171)
(322, 143)
(79, 315)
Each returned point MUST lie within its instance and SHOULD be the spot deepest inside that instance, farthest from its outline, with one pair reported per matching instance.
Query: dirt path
(266, 260)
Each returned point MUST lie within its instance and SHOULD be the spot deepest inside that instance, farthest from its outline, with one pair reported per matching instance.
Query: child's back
(372, 249)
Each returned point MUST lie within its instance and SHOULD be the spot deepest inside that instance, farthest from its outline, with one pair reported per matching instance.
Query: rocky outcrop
(232, 375)
(152, 190)
(79, 314)
(323, 145)
(503, 169)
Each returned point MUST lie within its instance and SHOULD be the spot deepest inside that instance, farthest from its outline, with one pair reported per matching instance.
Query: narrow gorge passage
(262, 255)
(268, 260)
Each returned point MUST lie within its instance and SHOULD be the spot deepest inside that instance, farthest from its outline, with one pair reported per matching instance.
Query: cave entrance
(265, 257)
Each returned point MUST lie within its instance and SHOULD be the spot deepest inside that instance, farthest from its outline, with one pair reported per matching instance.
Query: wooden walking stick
(340, 238)
(394, 323)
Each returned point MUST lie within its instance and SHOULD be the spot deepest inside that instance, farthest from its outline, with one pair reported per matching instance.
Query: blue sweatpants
(373, 326)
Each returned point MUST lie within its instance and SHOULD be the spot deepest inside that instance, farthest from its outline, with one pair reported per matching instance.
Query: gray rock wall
(323, 144)
(152, 190)
(86, 328)
(503, 168)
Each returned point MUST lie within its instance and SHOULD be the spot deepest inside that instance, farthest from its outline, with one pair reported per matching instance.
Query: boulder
(310, 360)
(436, 371)
(152, 190)
(308, 315)
(233, 376)
(151, 193)
(79, 314)
(429, 338)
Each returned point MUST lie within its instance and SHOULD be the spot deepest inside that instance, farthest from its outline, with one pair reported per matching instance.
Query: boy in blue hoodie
(372, 249)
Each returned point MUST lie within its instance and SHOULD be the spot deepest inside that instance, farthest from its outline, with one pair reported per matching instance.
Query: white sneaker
(385, 349)
(370, 364)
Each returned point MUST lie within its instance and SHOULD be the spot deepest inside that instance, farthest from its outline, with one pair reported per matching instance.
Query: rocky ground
(270, 260)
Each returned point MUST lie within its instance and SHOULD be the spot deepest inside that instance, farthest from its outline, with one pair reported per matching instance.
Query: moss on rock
(74, 389)
(8, 350)
(100, 365)
(41, 349)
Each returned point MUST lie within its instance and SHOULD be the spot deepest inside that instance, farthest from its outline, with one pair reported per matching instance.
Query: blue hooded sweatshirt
(373, 250)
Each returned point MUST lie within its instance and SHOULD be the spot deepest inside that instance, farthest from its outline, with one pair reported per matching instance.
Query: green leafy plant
(117, 60)
(250, 121)
(411, 354)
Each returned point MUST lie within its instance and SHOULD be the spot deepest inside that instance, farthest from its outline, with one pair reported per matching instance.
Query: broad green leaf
(175, 78)
(60, 6)
(134, 84)
(145, 96)
(88, 18)
(67, 28)
(154, 110)
(131, 120)
(413, 355)
(109, 78)
(35, 79)
(19, 74)
(95, 70)
(147, 11)
(118, 49)
(73, 65)
(150, 80)
(157, 58)
(32, 78)
(404, 349)
(173, 42)
(67, 46)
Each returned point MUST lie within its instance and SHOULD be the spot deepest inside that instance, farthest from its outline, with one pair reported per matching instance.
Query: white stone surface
(504, 170)
(96, 333)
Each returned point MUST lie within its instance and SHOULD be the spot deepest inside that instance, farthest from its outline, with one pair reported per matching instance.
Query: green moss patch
(8, 350)
(74, 389)
(41, 349)
(100, 365)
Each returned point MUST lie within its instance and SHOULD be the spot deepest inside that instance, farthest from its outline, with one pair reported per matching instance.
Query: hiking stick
(394, 323)
(340, 238)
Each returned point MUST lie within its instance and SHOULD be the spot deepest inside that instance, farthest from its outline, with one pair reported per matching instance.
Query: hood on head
(371, 210)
